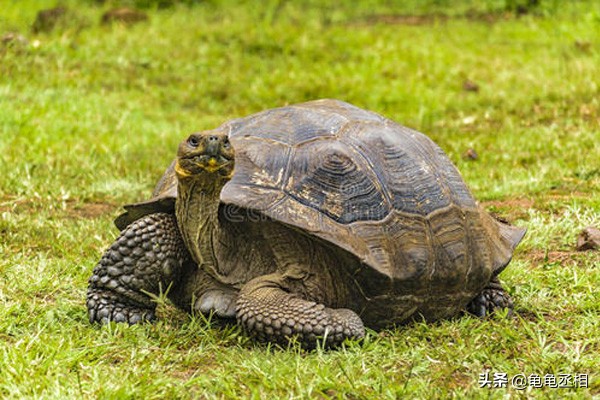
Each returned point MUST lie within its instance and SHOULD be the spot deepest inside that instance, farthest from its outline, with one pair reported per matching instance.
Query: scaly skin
(148, 256)
(270, 313)
(493, 297)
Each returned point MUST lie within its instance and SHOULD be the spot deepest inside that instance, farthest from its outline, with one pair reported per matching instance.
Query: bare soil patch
(124, 15)
(410, 20)
(510, 209)
(432, 18)
(561, 257)
(16, 204)
(74, 209)
(90, 210)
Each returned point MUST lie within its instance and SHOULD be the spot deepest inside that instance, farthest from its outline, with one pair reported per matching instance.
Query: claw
(220, 302)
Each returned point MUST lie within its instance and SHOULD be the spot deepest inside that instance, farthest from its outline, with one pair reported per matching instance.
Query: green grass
(90, 117)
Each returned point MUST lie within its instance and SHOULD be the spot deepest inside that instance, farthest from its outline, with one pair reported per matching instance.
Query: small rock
(588, 239)
(124, 15)
(583, 45)
(47, 20)
(470, 86)
(470, 154)
(12, 38)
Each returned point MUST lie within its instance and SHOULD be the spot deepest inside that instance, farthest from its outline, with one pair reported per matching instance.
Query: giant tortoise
(334, 218)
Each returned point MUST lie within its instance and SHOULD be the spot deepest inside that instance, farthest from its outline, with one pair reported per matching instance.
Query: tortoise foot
(106, 306)
(492, 298)
(271, 314)
(218, 301)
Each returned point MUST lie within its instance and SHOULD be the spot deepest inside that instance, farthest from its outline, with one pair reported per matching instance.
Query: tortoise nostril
(213, 138)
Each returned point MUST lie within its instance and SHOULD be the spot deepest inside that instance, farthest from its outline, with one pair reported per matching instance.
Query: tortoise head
(204, 164)
(205, 155)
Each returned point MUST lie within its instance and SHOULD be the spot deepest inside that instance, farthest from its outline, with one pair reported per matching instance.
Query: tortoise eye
(193, 141)
(226, 143)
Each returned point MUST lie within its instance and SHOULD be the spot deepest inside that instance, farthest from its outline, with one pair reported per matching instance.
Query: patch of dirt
(410, 20)
(432, 18)
(72, 208)
(207, 363)
(47, 20)
(550, 201)
(509, 203)
(331, 393)
(553, 257)
(470, 86)
(124, 15)
(584, 46)
(46, 298)
(560, 347)
(184, 375)
(527, 315)
(90, 210)
(16, 204)
(510, 209)
(13, 38)
(556, 194)
(579, 347)
(460, 380)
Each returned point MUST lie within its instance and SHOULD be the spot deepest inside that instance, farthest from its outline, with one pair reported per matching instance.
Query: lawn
(91, 115)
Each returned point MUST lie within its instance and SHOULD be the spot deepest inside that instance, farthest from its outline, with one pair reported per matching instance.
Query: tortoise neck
(197, 210)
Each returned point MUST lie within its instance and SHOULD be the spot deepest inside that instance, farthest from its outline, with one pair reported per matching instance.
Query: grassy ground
(90, 116)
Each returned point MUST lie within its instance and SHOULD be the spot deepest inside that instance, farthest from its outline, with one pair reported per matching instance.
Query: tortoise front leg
(148, 256)
(268, 311)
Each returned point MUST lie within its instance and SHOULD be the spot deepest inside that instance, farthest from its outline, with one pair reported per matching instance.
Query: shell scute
(328, 178)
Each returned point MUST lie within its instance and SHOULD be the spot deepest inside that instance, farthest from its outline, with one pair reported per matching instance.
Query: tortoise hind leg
(267, 310)
(146, 258)
(491, 298)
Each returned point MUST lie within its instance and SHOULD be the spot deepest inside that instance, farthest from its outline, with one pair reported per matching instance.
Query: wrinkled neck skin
(197, 211)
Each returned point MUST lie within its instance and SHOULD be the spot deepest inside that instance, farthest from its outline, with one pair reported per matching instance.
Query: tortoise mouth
(199, 164)
(211, 163)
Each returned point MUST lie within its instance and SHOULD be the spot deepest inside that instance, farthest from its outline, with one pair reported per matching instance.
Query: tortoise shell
(384, 192)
